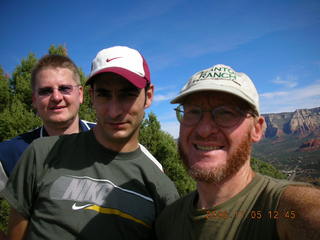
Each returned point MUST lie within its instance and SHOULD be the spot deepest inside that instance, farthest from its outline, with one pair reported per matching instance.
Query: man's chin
(58, 120)
(208, 175)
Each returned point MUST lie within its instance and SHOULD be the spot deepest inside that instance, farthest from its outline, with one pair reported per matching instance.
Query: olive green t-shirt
(71, 187)
(249, 215)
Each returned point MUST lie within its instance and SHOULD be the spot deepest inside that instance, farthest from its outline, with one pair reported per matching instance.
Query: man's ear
(259, 126)
(149, 96)
(81, 90)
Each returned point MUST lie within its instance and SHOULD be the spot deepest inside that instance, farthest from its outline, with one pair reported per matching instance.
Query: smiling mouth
(207, 148)
(56, 108)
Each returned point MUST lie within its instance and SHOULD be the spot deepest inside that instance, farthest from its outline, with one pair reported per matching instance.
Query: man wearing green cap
(219, 120)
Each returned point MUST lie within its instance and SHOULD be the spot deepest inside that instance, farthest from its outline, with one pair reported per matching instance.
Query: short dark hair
(54, 61)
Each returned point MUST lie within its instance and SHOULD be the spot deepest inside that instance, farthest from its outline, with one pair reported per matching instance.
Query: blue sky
(275, 42)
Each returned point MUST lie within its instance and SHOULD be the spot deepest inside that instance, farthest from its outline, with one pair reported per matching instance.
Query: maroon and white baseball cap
(125, 61)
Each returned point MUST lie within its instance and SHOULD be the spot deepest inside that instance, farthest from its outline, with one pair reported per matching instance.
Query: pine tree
(59, 50)
(164, 148)
(86, 111)
(17, 119)
(21, 80)
(4, 90)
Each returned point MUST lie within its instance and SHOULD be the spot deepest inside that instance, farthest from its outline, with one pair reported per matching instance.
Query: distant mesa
(300, 123)
(310, 145)
(292, 143)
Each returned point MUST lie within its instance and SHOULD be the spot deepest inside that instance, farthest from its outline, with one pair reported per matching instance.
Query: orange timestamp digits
(285, 214)
(217, 214)
(272, 214)
(253, 214)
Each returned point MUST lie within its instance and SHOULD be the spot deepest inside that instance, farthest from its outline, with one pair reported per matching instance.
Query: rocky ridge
(301, 123)
(292, 142)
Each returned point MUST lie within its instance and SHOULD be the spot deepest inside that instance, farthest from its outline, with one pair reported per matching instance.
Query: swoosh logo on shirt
(111, 59)
(75, 207)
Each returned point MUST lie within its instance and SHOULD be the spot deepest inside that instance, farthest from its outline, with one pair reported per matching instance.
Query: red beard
(219, 174)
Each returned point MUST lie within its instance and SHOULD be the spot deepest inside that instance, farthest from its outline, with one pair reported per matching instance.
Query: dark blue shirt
(11, 150)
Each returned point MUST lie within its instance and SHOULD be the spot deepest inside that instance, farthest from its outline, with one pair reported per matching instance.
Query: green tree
(4, 90)
(266, 169)
(59, 50)
(16, 119)
(4, 213)
(86, 111)
(21, 80)
(164, 148)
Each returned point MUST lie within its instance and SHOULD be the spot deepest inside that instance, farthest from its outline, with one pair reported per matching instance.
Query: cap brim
(212, 87)
(136, 80)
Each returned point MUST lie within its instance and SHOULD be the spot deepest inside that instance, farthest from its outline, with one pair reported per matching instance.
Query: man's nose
(206, 126)
(56, 95)
(114, 108)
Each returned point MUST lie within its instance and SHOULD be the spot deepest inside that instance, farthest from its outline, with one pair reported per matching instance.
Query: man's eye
(65, 89)
(194, 111)
(101, 93)
(130, 94)
(225, 113)
(45, 91)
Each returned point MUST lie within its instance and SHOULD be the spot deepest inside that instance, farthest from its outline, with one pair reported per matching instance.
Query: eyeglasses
(63, 89)
(223, 116)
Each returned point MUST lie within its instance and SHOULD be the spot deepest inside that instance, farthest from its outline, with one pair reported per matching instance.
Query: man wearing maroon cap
(99, 184)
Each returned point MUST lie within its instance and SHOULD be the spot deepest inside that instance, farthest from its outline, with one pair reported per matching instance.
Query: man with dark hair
(219, 120)
(99, 184)
(56, 96)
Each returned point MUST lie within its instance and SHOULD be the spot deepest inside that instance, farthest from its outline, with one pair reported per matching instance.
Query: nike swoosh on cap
(111, 59)
(75, 207)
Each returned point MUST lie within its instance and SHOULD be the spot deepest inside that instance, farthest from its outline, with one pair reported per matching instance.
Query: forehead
(53, 76)
(112, 81)
(212, 98)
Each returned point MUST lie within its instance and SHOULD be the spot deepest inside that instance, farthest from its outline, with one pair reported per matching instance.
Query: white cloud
(305, 97)
(163, 97)
(291, 83)
(273, 94)
(164, 88)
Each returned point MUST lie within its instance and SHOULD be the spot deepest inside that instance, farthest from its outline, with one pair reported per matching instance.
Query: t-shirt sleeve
(21, 186)
(3, 178)
(172, 194)
(167, 192)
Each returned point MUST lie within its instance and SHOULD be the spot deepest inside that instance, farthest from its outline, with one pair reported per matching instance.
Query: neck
(125, 144)
(62, 129)
(213, 194)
